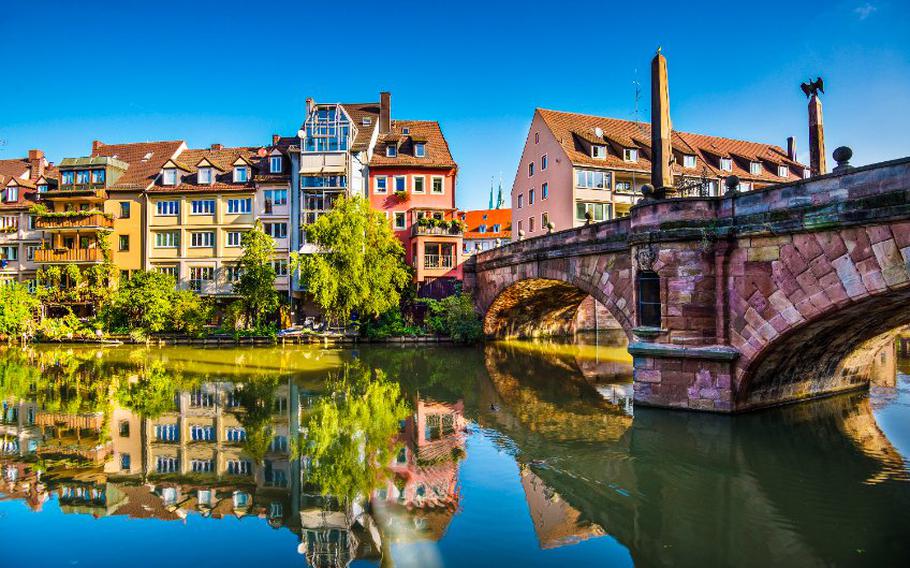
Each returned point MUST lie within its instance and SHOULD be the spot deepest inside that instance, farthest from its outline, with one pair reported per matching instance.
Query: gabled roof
(357, 112)
(489, 217)
(145, 160)
(222, 159)
(427, 132)
(13, 169)
(570, 129)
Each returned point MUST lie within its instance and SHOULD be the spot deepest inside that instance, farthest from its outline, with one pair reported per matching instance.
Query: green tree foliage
(257, 397)
(349, 436)
(456, 317)
(153, 394)
(150, 302)
(256, 286)
(18, 308)
(360, 267)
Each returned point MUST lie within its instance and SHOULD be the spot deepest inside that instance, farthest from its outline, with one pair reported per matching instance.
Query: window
(405, 130)
(30, 253)
(42, 188)
(624, 186)
(124, 243)
(744, 186)
(202, 239)
(648, 299)
(419, 184)
(200, 433)
(275, 197)
(593, 179)
(202, 466)
(202, 207)
(239, 467)
(201, 399)
(530, 169)
(167, 239)
(544, 190)
(232, 273)
(482, 229)
(169, 270)
(125, 462)
(783, 171)
(401, 183)
(530, 197)
(233, 238)
(169, 176)
(12, 194)
(630, 154)
(67, 178)
(167, 208)
(437, 185)
(599, 211)
(519, 226)
(807, 173)
(98, 176)
(276, 230)
(537, 137)
(240, 206)
(10, 253)
(598, 152)
(400, 222)
(281, 267)
(276, 510)
(755, 168)
(544, 220)
(167, 464)
(366, 121)
(82, 177)
(124, 428)
(9, 222)
(241, 174)
(391, 151)
(420, 149)
(275, 164)
(726, 164)
(199, 275)
(521, 200)
(497, 228)
(690, 161)
(204, 176)
(167, 432)
(381, 184)
(531, 224)
(235, 434)
(124, 209)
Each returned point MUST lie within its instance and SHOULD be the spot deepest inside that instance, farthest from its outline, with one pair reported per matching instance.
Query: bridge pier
(676, 376)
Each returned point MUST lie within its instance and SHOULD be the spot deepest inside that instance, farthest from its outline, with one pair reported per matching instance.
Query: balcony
(81, 190)
(438, 261)
(445, 229)
(74, 221)
(59, 255)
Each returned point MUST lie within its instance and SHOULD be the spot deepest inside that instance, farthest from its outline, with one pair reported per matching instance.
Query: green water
(513, 454)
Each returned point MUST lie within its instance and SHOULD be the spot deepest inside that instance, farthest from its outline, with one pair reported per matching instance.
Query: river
(510, 454)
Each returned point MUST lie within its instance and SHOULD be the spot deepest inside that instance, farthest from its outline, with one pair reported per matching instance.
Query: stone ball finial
(842, 156)
(731, 183)
(647, 191)
(589, 217)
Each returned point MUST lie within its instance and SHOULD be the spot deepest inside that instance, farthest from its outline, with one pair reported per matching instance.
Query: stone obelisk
(661, 128)
(817, 163)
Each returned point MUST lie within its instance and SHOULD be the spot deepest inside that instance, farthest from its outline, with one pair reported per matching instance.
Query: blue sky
(215, 72)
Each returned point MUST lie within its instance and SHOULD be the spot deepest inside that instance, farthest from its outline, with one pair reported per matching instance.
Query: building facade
(21, 182)
(486, 229)
(574, 167)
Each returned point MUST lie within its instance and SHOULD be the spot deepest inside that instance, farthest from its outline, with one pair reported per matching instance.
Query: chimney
(817, 163)
(216, 147)
(385, 112)
(791, 148)
(661, 148)
(35, 164)
(96, 145)
(275, 139)
(309, 105)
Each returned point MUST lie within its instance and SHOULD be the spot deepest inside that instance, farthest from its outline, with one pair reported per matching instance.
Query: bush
(64, 328)
(150, 302)
(17, 309)
(455, 316)
(390, 324)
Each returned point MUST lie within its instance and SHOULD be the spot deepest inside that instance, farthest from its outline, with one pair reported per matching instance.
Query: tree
(360, 266)
(456, 317)
(256, 286)
(17, 309)
(144, 301)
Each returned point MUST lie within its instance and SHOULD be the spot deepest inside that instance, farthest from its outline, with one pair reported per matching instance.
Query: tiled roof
(263, 175)
(488, 217)
(426, 131)
(223, 159)
(357, 111)
(12, 169)
(572, 129)
(144, 158)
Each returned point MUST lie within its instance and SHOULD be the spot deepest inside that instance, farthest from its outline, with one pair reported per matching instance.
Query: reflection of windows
(167, 464)
(124, 428)
(648, 298)
(167, 432)
(279, 444)
(235, 434)
(241, 499)
(239, 467)
(402, 456)
(204, 497)
(202, 466)
(125, 462)
(200, 433)
(276, 510)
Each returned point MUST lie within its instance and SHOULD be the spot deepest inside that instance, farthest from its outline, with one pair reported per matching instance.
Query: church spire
(491, 193)
(499, 200)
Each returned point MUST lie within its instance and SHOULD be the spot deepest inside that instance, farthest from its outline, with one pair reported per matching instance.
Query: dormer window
(42, 188)
(391, 151)
(405, 130)
(598, 152)
(482, 229)
(755, 168)
(420, 149)
(241, 174)
(366, 121)
(12, 194)
(204, 176)
(690, 161)
(497, 228)
(275, 164)
(169, 176)
(726, 164)
(630, 154)
(783, 171)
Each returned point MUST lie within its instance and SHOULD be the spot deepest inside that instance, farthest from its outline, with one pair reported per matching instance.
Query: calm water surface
(514, 454)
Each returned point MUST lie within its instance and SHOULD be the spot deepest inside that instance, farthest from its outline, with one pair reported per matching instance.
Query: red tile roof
(572, 129)
(425, 131)
(223, 159)
(144, 158)
(488, 217)
(12, 169)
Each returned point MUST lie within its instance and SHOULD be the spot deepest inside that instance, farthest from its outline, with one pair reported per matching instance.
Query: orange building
(412, 180)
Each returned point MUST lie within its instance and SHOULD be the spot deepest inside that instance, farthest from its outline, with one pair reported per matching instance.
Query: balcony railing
(447, 230)
(437, 261)
(68, 255)
(92, 220)
(77, 189)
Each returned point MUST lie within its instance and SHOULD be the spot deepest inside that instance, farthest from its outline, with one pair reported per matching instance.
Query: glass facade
(327, 130)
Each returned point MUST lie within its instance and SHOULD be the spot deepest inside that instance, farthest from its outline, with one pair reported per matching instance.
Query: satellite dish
(598, 131)
(300, 133)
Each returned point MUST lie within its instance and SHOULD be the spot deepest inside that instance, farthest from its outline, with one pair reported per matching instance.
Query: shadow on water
(358, 453)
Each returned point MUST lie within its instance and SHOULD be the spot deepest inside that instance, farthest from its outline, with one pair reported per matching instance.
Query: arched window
(648, 299)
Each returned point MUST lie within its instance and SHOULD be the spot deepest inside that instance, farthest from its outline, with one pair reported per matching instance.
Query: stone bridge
(729, 303)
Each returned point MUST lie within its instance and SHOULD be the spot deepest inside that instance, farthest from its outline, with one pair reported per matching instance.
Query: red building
(412, 179)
